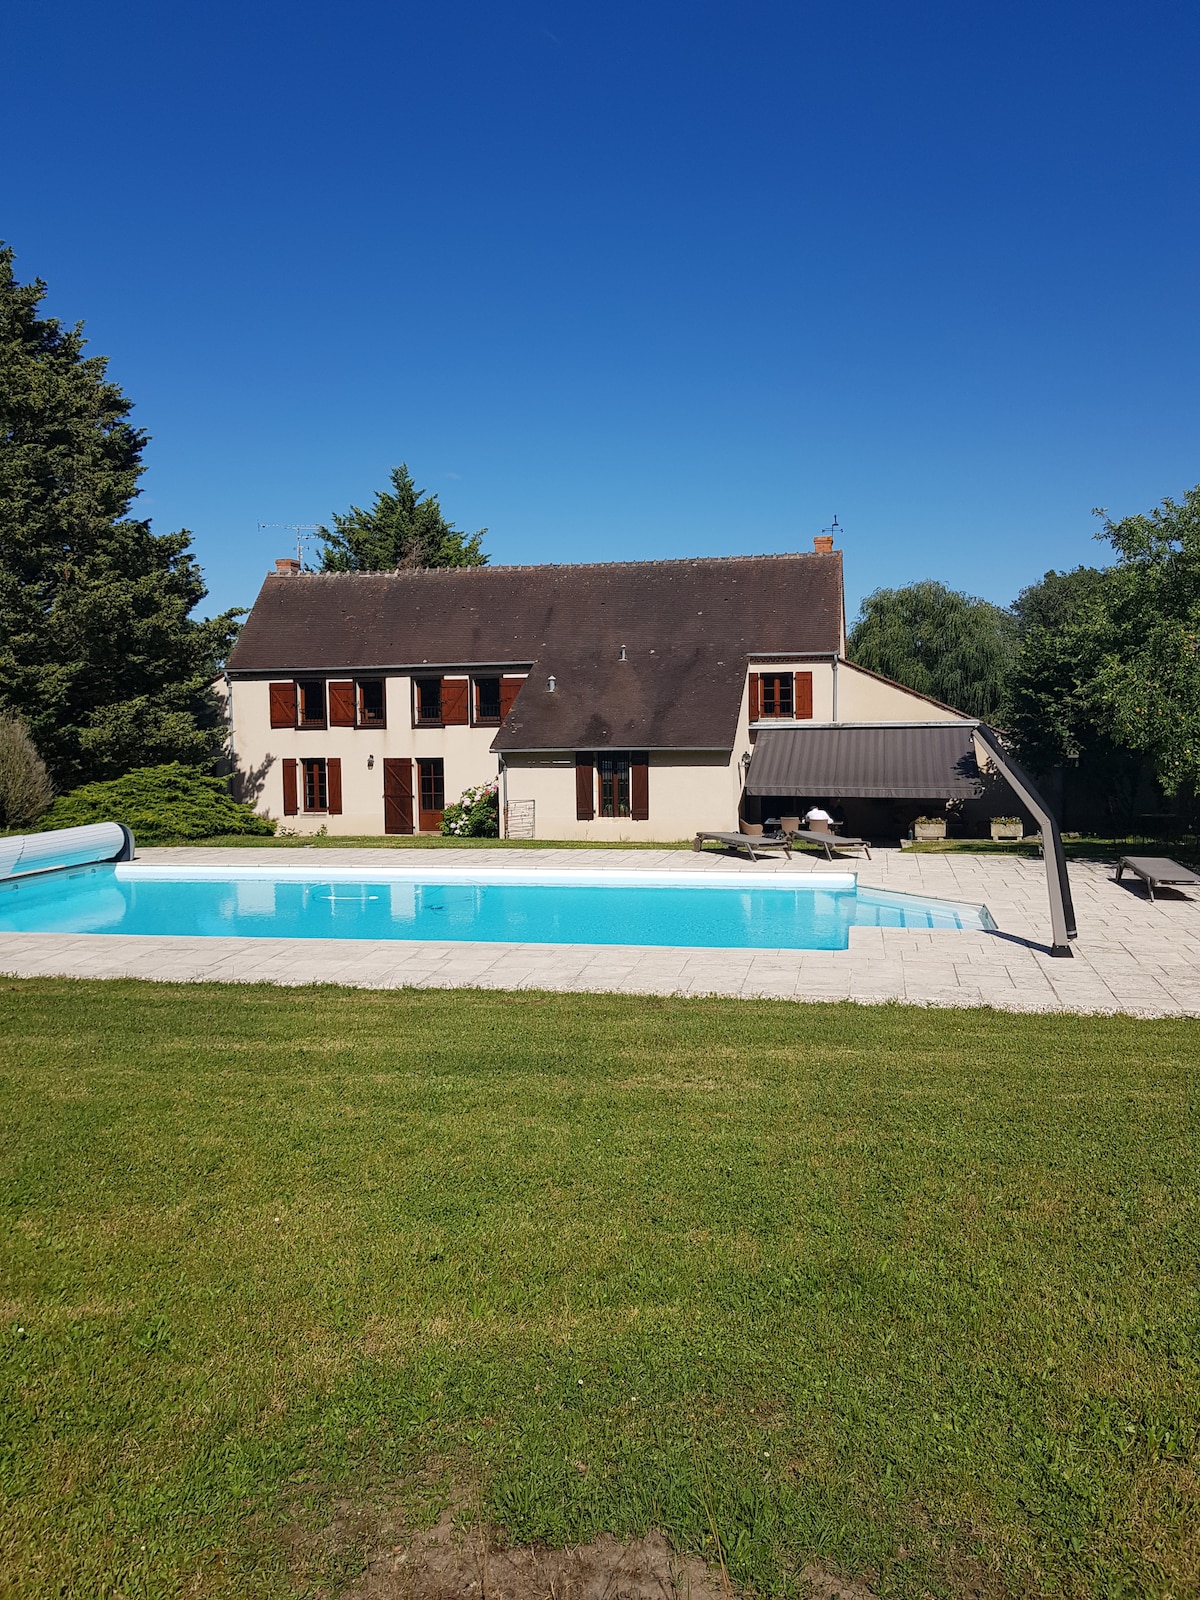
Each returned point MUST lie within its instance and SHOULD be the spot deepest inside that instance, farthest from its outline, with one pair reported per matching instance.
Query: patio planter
(1007, 828)
(929, 828)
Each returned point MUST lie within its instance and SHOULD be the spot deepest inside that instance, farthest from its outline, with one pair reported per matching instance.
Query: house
(618, 700)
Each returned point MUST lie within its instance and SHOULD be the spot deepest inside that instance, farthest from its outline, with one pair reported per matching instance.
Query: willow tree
(941, 642)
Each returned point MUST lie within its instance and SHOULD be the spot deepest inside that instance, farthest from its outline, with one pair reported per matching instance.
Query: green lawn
(913, 1292)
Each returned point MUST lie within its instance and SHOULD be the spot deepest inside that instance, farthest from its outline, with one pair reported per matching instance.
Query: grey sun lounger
(831, 841)
(1155, 870)
(752, 843)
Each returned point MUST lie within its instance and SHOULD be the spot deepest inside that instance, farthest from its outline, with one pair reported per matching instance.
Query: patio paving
(1132, 955)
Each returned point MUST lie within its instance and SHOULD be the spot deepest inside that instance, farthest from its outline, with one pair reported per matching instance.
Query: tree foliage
(1107, 668)
(160, 804)
(25, 787)
(1149, 678)
(404, 528)
(98, 651)
(942, 643)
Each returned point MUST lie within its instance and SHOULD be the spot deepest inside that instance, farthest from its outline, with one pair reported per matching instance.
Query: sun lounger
(752, 843)
(831, 841)
(1155, 870)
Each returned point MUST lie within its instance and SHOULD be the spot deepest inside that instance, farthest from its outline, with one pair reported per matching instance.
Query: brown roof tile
(687, 627)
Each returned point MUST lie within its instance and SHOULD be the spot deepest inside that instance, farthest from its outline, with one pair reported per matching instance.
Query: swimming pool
(710, 910)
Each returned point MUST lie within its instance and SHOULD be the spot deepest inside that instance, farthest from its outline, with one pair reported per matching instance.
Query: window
(487, 700)
(431, 795)
(316, 786)
(613, 772)
(433, 786)
(312, 703)
(429, 700)
(371, 707)
(777, 696)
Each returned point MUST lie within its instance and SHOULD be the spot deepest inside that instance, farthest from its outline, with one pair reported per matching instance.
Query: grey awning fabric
(888, 763)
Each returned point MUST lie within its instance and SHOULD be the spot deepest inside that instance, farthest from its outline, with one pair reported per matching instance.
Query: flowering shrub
(476, 815)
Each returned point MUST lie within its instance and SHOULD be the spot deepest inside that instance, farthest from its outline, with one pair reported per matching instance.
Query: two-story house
(617, 700)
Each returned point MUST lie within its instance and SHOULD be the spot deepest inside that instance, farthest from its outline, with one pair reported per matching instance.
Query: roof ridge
(568, 566)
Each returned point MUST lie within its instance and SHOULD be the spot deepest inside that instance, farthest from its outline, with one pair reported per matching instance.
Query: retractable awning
(898, 762)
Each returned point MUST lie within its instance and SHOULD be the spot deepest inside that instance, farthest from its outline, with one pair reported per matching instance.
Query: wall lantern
(370, 762)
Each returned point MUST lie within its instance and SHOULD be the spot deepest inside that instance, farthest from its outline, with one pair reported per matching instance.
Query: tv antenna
(304, 532)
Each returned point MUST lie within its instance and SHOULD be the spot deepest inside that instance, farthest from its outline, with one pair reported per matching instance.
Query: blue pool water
(724, 911)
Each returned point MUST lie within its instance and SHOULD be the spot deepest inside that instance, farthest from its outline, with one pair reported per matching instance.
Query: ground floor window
(431, 790)
(316, 785)
(613, 772)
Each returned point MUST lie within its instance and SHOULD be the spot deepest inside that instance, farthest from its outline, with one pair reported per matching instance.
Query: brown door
(397, 796)
(432, 799)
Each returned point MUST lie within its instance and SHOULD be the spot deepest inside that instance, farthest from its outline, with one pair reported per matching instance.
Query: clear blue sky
(624, 280)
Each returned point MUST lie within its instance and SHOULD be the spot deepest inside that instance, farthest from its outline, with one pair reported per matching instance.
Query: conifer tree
(99, 654)
(405, 528)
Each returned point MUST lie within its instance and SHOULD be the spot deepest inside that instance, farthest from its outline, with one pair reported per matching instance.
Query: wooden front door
(397, 796)
(432, 796)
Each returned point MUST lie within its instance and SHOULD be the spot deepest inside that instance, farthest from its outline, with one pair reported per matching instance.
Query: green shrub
(25, 787)
(160, 804)
(476, 815)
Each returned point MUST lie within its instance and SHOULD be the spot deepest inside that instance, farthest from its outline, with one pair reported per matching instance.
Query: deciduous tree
(938, 641)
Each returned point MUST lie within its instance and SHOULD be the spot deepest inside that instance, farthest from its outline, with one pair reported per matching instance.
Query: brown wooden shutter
(291, 794)
(510, 688)
(341, 705)
(755, 697)
(803, 696)
(639, 785)
(333, 785)
(397, 796)
(585, 787)
(283, 705)
(454, 701)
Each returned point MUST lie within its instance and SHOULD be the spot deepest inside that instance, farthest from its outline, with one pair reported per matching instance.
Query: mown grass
(912, 1292)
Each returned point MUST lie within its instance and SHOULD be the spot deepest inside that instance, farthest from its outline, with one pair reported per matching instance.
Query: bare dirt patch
(451, 1563)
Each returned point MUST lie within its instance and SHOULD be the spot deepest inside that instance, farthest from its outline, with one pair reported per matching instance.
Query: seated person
(817, 819)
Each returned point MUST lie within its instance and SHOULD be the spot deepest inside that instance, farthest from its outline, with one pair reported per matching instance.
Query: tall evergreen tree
(942, 643)
(99, 654)
(405, 528)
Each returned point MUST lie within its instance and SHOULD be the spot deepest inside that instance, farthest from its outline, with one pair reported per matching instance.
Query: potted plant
(929, 828)
(1007, 828)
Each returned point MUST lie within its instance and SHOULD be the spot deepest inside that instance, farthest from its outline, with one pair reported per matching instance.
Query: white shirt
(815, 814)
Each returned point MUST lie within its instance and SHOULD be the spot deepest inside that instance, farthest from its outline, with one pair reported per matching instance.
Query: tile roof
(688, 628)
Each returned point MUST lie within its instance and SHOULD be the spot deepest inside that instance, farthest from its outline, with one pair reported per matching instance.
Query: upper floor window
(487, 700)
(781, 694)
(371, 707)
(777, 697)
(429, 700)
(311, 699)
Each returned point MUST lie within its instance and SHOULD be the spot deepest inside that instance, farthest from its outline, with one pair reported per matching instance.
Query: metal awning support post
(1062, 909)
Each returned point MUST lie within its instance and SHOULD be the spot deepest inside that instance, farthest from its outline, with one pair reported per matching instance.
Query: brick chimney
(823, 543)
(288, 566)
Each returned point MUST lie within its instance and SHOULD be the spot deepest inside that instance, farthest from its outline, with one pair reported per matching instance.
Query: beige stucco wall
(690, 791)
(258, 749)
(863, 698)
